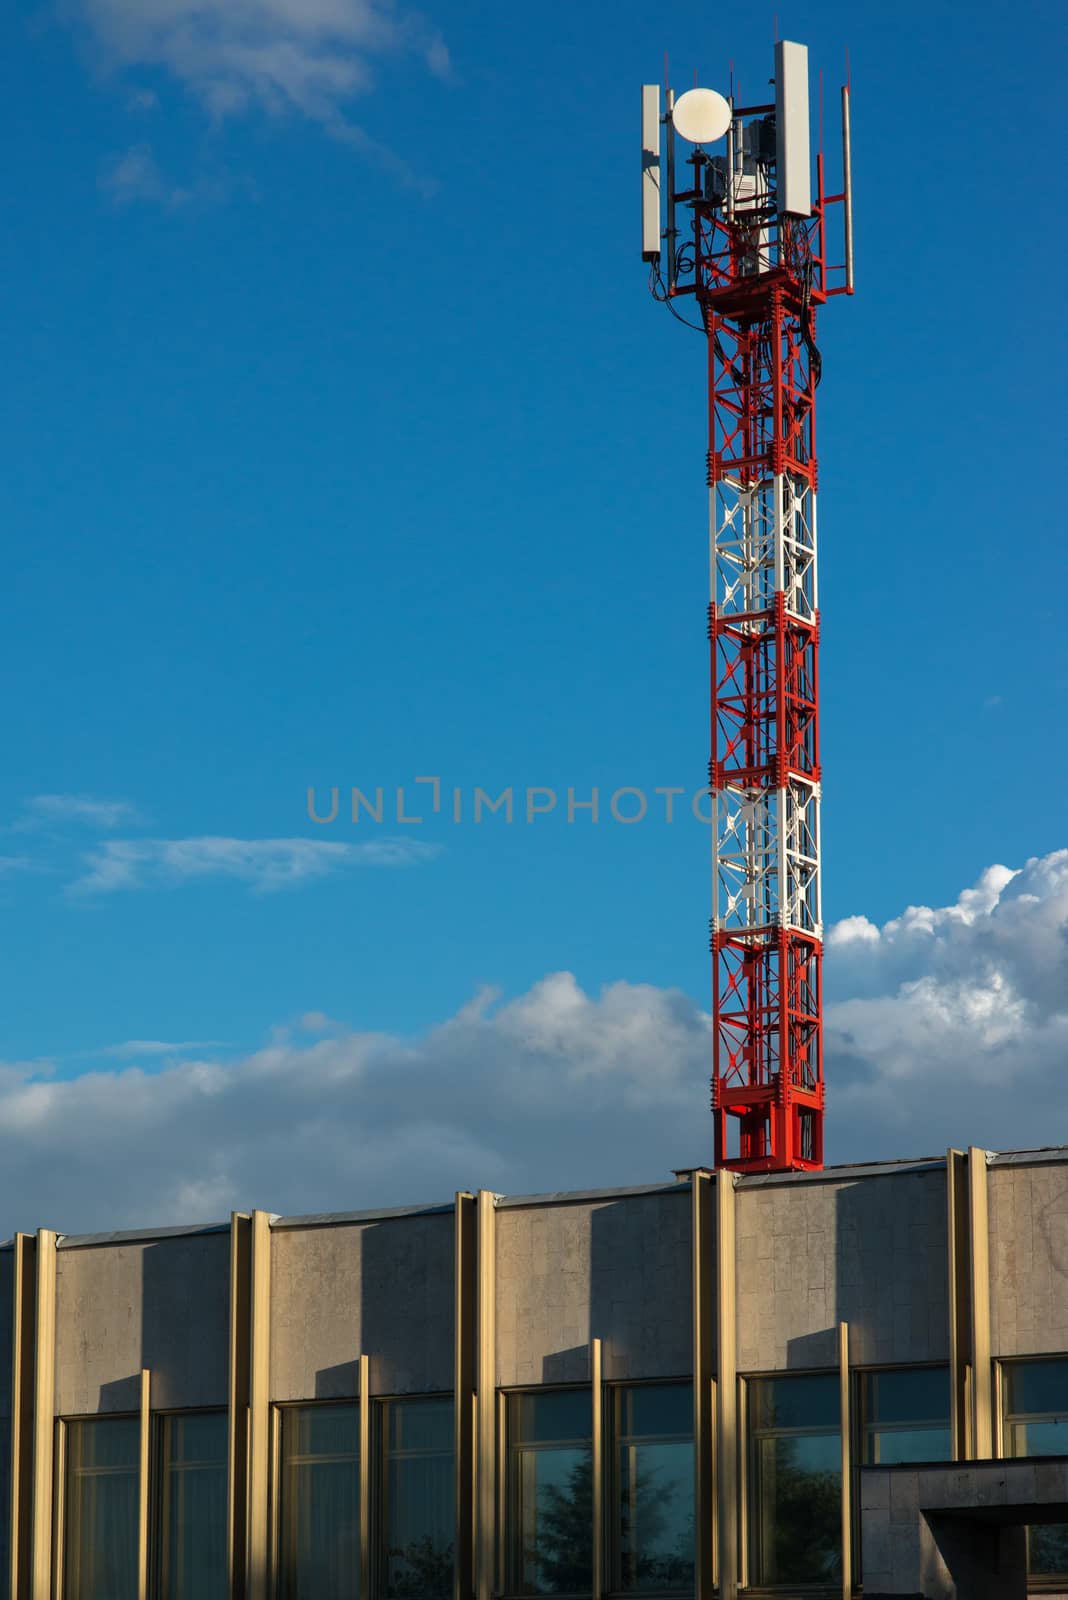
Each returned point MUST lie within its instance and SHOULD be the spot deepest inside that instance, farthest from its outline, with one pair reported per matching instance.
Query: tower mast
(754, 258)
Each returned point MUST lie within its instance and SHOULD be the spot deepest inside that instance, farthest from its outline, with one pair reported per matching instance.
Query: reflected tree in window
(418, 1499)
(1036, 1424)
(801, 1512)
(550, 1492)
(559, 1556)
(422, 1570)
(795, 1476)
(653, 1542)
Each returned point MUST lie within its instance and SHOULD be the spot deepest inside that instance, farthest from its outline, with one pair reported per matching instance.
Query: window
(1035, 1397)
(904, 1416)
(319, 1526)
(653, 1488)
(795, 1480)
(417, 1500)
(550, 1492)
(192, 1506)
(100, 1531)
(5, 1507)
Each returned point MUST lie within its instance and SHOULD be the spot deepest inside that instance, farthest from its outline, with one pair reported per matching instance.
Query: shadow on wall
(185, 1325)
(621, 1273)
(406, 1303)
(341, 1382)
(888, 1256)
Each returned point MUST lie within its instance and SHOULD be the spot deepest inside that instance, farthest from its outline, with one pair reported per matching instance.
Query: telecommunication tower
(752, 254)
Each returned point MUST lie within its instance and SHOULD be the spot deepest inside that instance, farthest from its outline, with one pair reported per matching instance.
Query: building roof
(849, 1170)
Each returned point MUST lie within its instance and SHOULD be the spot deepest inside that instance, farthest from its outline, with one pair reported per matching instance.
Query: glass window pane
(420, 1425)
(319, 1532)
(550, 1492)
(1036, 1386)
(656, 1517)
(906, 1415)
(1039, 1438)
(192, 1541)
(652, 1541)
(888, 1447)
(418, 1511)
(795, 1475)
(557, 1414)
(1047, 1550)
(910, 1394)
(802, 1402)
(656, 1408)
(5, 1507)
(1036, 1412)
(100, 1532)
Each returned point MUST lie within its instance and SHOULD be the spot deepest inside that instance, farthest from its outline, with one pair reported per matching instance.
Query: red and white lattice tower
(753, 258)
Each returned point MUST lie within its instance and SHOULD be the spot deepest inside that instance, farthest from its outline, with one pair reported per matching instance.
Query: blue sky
(344, 445)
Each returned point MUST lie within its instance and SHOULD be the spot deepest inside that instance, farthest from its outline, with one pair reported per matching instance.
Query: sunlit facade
(696, 1389)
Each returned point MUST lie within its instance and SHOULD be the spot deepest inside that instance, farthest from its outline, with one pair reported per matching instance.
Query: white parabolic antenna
(701, 115)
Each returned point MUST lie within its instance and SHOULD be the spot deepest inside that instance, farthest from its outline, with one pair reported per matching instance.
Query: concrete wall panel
(161, 1304)
(871, 1252)
(383, 1289)
(618, 1270)
(1029, 1259)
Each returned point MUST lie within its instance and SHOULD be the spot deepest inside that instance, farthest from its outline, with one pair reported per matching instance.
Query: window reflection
(1036, 1424)
(654, 1505)
(905, 1416)
(5, 1507)
(795, 1479)
(319, 1533)
(550, 1492)
(192, 1540)
(418, 1499)
(100, 1531)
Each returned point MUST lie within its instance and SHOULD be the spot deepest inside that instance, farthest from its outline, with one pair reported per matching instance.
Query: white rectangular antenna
(792, 159)
(847, 182)
(650, 172)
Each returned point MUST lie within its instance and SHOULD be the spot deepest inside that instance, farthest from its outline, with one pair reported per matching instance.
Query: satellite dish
(701, 115)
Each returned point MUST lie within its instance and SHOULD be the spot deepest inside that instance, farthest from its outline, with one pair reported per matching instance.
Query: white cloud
(948, 1025)
(311, 56)
(556, 1087)
(86, 808)
(135, 177)
(9, 865)
(317, 1022)
(264, 864)
(132, 1049)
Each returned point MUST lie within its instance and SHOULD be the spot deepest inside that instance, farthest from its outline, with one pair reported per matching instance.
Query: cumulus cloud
(553, 1088)
(946, 1025)
(309, 56)
(264, 864)
(953, 1020)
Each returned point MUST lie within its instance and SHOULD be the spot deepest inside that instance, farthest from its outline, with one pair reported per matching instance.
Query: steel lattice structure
(764, 772)
(758, 275)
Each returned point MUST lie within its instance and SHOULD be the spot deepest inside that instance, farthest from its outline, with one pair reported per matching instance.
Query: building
(783, 1384)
